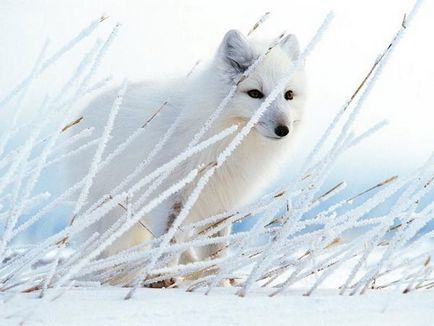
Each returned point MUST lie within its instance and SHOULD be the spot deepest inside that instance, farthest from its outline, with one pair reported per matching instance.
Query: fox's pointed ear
(290, 45)
(236, 52)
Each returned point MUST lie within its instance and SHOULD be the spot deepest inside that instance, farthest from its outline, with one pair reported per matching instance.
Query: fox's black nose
(281, 131)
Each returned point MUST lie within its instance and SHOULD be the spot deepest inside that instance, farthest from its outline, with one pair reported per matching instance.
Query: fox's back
(140, 102)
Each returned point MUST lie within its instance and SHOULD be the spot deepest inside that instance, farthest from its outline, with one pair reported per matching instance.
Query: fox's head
(235, 54)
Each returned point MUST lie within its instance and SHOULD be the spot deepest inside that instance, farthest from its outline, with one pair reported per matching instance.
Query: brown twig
(261, 20)
(155, 114)
(380, 184)
(72, 124)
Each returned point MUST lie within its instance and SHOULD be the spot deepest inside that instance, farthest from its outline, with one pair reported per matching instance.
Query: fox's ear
(236, 52)
(290, 45)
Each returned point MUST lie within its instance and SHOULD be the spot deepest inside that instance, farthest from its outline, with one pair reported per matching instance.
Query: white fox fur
(253, 165)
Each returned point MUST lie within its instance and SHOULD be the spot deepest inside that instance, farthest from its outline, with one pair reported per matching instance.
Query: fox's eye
(289, 95)
(254, 93)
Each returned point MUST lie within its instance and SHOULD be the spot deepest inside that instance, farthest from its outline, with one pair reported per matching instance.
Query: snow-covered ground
(102, 307)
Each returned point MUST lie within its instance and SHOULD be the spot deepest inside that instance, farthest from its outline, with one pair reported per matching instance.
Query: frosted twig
(261, 20)
(93, 170)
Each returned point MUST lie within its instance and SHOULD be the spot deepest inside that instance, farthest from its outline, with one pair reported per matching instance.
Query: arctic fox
(252, 166)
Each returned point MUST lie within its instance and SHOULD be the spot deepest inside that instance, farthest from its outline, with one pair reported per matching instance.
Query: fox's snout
(281, 130)
(275, 123)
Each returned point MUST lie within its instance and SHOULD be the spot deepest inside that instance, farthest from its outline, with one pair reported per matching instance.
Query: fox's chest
(245, 173)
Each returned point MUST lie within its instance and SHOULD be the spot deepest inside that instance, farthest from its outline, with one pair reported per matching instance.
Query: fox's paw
(229, 282)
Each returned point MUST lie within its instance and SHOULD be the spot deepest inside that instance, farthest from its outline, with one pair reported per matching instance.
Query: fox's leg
(219, 249)
(206, 253)
(135, 236)
(172, 261)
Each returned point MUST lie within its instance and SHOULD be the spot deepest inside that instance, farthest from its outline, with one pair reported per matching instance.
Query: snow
(105, 306)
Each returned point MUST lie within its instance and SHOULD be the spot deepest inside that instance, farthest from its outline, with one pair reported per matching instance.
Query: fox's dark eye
(254, 93)
(289, 95)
